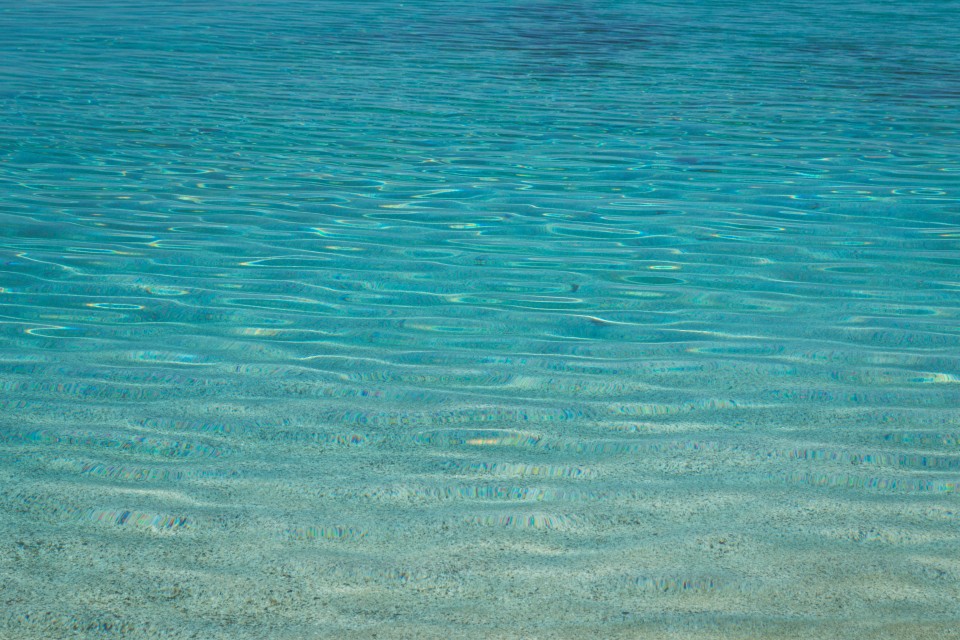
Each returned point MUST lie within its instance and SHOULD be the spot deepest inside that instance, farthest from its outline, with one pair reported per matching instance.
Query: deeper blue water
(499, 319)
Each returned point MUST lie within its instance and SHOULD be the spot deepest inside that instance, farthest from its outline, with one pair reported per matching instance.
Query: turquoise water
(512, 319)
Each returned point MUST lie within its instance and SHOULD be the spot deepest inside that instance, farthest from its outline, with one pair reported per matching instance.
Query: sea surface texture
(490, 319)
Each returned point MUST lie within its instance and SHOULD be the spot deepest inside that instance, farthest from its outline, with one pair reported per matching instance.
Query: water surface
(503, 319)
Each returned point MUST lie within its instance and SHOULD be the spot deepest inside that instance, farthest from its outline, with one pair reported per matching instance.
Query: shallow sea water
(501, 319)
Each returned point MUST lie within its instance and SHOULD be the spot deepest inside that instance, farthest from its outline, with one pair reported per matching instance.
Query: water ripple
(498, 319)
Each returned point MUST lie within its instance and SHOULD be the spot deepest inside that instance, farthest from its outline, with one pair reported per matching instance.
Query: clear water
(499, 319)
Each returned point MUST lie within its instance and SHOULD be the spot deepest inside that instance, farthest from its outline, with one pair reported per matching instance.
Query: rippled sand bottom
(300, 519)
